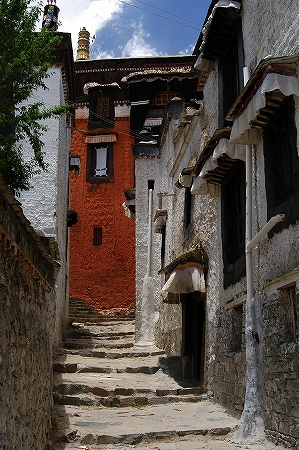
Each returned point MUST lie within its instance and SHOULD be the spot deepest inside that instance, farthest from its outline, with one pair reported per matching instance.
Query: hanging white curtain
(101, 164)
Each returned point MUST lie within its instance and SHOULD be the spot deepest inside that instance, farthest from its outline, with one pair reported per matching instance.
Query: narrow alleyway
(111, 395)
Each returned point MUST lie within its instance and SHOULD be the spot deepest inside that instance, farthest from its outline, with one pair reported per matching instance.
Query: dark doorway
(193, 338)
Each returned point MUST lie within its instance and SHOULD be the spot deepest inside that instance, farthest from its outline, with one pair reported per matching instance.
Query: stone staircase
(109, 392)
(81, 312)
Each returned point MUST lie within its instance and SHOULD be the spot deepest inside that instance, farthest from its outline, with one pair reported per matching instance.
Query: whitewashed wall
(47, 203)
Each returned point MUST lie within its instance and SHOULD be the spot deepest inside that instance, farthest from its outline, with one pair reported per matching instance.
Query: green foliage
(25, 57)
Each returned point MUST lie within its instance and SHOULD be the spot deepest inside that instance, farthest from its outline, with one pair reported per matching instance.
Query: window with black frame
(188, 211)
(101, 109)
(99, 165)
(231, 74)
(233, 224)
(282, 165)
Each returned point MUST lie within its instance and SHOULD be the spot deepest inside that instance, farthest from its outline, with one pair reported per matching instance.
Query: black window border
(101, 122)
(234, 263)
(289, 205)
(225, 84)
(90, 162)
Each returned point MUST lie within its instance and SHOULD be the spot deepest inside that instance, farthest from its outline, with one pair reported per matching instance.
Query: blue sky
(125, 28)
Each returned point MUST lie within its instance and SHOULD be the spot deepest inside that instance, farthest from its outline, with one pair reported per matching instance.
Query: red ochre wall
(103, 276)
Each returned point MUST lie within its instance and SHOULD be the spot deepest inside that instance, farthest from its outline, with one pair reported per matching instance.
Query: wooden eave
(273, 99)
(196, 254)
(225, 163)
(208, 150)
(222, 27)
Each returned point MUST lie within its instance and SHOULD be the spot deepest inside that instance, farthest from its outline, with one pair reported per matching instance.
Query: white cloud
(91, 14)
(187, 51)
(97, 53)
(137, 45)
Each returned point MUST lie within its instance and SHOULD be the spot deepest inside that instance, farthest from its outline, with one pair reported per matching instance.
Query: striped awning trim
(100, 138)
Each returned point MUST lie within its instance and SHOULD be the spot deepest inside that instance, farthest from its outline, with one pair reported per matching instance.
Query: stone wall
(27, 317)
(281, 364)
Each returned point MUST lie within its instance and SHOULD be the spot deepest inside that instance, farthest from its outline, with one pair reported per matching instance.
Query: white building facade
(46, 204)
(228, 313)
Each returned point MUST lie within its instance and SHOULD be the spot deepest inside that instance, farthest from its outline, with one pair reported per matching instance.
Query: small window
(97, 236)
(99, 167)
(163, 97)
(101, 110)
(103, 107)
(188, 211)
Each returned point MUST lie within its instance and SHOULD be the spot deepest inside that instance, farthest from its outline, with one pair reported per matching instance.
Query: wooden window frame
(101, 109)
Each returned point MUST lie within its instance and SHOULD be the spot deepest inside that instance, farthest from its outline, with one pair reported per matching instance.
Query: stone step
(124, 401)
(130, 426)
(78, 334)
(122, 353)
(92, 317)
(74, 367)
(67, 363)
(73, 389)
(95, 344)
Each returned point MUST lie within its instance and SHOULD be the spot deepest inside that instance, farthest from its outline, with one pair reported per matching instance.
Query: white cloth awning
(206, 65)
(281, 79)
(234, 151)
(185, 279)
(152, 122)
(100, 138)
(185, 180)
(200, 186)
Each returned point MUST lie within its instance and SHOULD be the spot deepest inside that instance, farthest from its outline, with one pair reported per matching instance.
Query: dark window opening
(163, 245)
(164, 96)
(233, 224)
(99, 167)
(103, 107)
(188, 211)
(281, 165)
(231, 75)
(101, 110)
(287, 313)
(97, 236)
(151, 184)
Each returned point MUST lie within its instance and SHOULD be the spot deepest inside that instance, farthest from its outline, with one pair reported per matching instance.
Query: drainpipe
(251, 426)
(249, 196)
(149, 238)
(269, 225)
